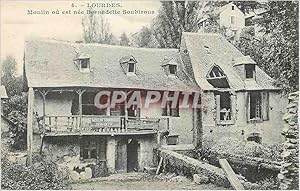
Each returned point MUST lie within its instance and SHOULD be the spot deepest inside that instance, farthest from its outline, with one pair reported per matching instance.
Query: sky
(17, 25)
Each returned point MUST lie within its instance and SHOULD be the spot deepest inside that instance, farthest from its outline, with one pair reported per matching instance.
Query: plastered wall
(56, 103)
(239, 21)
(270, 130)
(182, 125)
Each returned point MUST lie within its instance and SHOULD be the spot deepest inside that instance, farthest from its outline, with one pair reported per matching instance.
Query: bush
(41, 175)
(265, 184)
(250, 148)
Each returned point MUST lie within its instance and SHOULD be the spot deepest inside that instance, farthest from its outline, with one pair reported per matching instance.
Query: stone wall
(65, 150)
(181, 164)
(289, 173)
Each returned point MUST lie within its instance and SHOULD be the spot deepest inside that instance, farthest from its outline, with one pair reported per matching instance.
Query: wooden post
(233, 179)
(44, 93)
(29, 126)
(158, 139)
(197, 128)
(80, 92)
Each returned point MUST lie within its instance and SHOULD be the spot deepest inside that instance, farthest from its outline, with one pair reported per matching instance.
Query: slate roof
(222, 54)
(50, 63)
(3, 94)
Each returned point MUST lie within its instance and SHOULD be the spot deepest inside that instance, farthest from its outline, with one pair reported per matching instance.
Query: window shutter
(233, 107)
(218, 108)
(265, 105)
(247, 106)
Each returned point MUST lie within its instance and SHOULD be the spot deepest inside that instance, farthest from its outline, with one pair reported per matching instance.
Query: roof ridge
(54, 41)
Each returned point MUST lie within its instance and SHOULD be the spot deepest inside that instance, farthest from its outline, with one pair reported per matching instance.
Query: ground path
(139, 181)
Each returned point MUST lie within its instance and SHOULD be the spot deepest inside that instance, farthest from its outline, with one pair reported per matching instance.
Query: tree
(124, 40)
(12, 83)
(175, 17)
(144, 38)
(96, 29)
(276, 51)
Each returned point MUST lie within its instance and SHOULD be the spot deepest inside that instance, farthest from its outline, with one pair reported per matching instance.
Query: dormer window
(172, 69)
(82, 61)
(250, 71)
(217, 78)
(245, 67)
(169, 66)
(131, 67)
(128, 63)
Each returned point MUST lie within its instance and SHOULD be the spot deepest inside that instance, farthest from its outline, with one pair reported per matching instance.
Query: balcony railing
(103, 124)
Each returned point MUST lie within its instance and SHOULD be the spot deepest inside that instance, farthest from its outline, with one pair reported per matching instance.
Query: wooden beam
(233, 179)
(44, 93)
(80, 92)
(29, 126)
(159, 165)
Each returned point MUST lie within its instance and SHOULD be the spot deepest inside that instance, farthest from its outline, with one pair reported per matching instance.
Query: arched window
(217, 78)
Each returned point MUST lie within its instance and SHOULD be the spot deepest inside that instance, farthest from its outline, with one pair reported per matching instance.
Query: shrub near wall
(40, 176)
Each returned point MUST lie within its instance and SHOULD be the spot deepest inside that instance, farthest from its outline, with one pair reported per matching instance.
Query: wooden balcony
(103, 125)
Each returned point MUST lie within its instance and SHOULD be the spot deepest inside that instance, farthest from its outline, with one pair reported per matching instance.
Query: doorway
(121, 158)
(132, 155)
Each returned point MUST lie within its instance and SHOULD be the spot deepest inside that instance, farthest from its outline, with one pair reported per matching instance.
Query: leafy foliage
(276, 49)
(40, 176)
(235, 146)
(144, 38)
(175, 17)
(15, 108)
(124, 40)
(12, 83)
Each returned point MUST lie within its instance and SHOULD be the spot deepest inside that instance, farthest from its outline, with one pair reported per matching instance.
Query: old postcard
(149, 95)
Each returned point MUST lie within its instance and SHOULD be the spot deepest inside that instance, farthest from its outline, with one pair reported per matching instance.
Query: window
(250, 70)
(217, 78)
(232, 7)
(169, 111)
(88, 150)
(232, 20)
(255, 137)
(131, 67)
(172, 69)
(223, 102)
(255, 105)
(128, 64)
(258, 106)
(133, 111)
(92, 148)
(84, 63)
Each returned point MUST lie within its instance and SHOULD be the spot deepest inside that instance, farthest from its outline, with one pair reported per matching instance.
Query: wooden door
(121, 156)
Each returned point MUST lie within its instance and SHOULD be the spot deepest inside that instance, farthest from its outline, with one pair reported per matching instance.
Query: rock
(88, 172)
(180, 179)
(83, 176)
(200, 179)
(74, 175)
